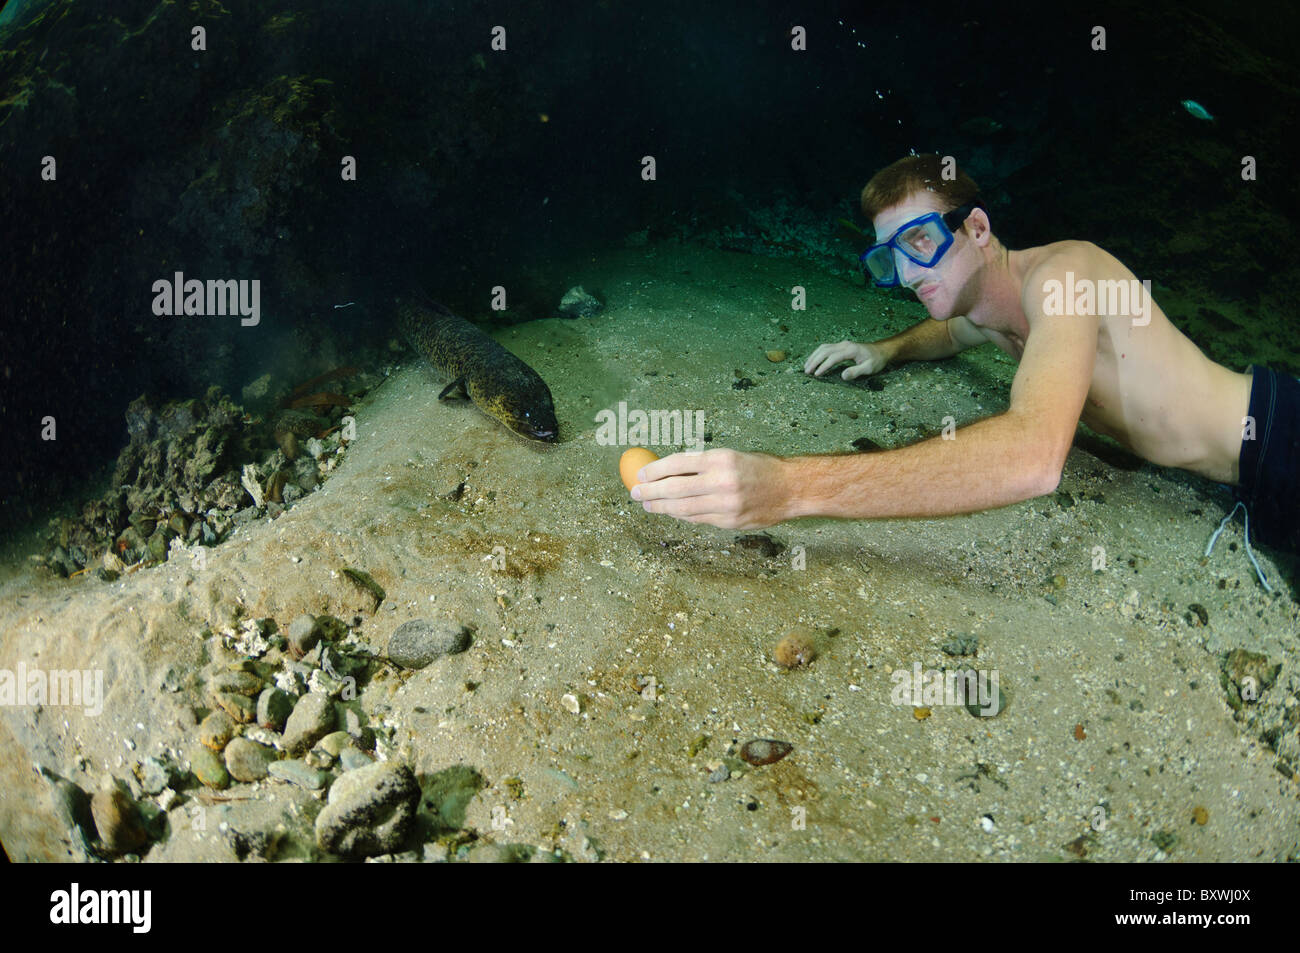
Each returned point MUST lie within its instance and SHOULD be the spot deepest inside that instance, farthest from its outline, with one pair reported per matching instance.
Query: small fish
(1197, 110)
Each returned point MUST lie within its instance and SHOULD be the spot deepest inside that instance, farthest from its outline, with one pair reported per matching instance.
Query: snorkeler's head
(931, 232)
(931, 174)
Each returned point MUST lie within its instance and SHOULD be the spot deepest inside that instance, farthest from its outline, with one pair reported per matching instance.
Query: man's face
(940, 288)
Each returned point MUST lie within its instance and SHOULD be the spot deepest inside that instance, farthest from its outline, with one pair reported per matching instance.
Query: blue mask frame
(948, 223)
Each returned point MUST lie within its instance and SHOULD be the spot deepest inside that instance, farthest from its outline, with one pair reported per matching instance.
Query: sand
(1116, 729)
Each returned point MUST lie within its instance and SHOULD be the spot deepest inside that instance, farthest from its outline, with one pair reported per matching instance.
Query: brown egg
(632, 461)
(794, 650)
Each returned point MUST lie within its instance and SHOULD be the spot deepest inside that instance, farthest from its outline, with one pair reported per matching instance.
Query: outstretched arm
(994, 462)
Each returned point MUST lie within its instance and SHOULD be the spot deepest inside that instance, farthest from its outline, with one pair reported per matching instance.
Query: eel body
(499, 384)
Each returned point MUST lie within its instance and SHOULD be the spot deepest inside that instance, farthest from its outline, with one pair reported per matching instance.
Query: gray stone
(577, 303)
(350, 759)
(335, 742)
(274, 708)
(419, 642)
(304, 633)
(318, 757)
(312, 719)
(298, 772)
(247, 760)
(370, 811)
(207, 767)
(216, 730)
(153, 775)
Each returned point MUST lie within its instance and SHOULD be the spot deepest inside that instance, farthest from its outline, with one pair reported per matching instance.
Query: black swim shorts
(1270, 463)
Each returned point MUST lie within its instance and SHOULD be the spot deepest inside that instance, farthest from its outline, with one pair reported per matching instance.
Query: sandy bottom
(1116, 728)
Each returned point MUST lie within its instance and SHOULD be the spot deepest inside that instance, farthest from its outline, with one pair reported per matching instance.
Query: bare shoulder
(1060, 265)
(1055, 259)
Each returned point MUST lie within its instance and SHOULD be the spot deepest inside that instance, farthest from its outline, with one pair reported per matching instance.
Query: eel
(499, 384)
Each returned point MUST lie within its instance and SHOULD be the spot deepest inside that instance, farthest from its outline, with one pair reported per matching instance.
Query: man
(1132, 376)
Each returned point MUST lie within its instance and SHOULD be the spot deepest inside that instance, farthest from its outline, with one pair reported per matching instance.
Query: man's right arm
(930, 340)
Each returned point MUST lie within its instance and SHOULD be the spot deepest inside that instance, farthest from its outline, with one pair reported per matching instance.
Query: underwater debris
(962, 645)
(765, 751)
(794, 650)
(767, 546)
(577, 303)
(339, 373)
(363, 580)
(320, 399)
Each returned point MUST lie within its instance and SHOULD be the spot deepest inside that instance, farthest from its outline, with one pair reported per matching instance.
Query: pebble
(207, 767)
(962, 645)
(298, 772)
(118, 821)
(318, 757)
(247, 760)
(153, 775)
(350, 759)
(274, 708)
(577, 303)
(239, 707)
(312, 719)
(237, 683)
(370, 811)
(216, 730)
(571, 704)
(978, 710)
(304, 633)
(765, 751)
(417, 643)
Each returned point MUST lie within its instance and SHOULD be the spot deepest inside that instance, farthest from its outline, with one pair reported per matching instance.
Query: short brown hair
(911, 174)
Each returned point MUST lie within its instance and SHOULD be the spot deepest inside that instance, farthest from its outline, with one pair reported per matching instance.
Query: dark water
(478, 168)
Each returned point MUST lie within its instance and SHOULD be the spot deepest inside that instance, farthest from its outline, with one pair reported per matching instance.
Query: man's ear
(978, 227)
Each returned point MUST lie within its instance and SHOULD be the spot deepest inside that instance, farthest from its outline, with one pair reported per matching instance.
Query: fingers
(827, 356)
(685, 463)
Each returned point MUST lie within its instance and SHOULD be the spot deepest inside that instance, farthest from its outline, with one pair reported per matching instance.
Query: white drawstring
(1224, 522)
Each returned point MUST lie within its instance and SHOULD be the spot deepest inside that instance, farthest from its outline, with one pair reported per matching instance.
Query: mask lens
(880, 262)
(923, 242)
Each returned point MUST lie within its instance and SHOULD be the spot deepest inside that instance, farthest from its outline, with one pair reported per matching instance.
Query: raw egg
(632, 461)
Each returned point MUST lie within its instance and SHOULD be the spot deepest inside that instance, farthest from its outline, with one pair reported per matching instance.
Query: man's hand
(725, 488)
(866, 359)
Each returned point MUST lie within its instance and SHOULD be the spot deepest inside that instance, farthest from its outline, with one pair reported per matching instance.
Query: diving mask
(923, 240)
